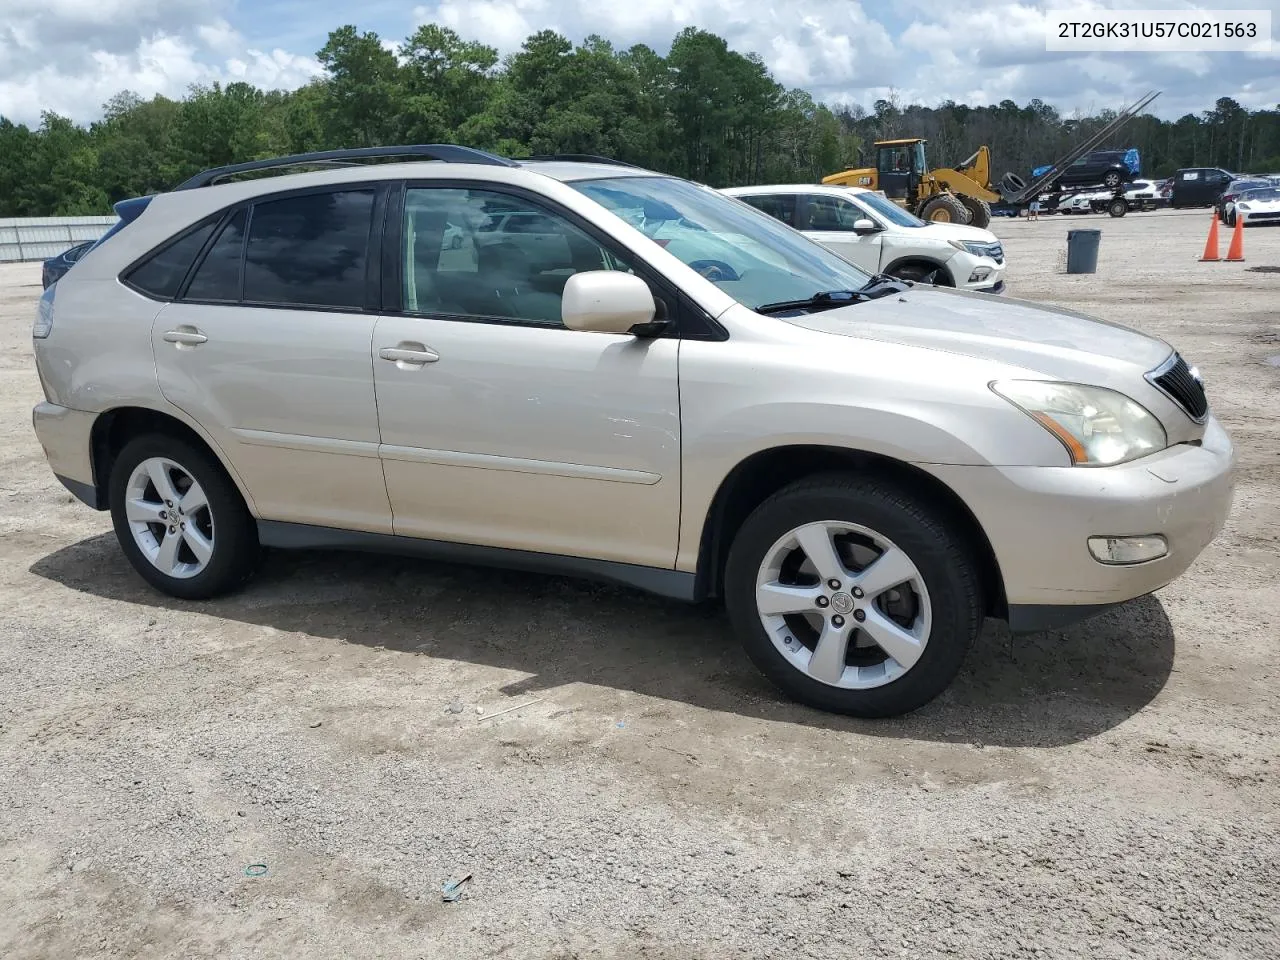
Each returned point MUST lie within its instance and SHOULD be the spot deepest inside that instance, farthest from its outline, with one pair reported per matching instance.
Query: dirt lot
(1108, 791)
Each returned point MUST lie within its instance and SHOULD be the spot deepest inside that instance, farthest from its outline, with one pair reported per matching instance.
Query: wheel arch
(921, 260)
(116, 427)
(762, 474)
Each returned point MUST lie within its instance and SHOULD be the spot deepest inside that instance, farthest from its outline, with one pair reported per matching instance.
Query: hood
(1050, 340)
(958, 231)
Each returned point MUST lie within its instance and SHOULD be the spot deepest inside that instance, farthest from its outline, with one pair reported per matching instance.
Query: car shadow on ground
(1042, 690)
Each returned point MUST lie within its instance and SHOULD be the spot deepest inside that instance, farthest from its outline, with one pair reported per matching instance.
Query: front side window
(829, 213)
(483, 254)
(309, 250)
(744, 251)
(889, 210)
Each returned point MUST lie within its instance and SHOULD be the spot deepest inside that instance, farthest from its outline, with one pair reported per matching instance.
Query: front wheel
(852, 597)
(180, 520)
(1118, 208)
(922, 273)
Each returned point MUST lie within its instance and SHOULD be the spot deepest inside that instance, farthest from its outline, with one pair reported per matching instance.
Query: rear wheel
(979, 211)
(944, 208)
(179, 518)
(1112, 179)
(1118, 207)
(852, 597)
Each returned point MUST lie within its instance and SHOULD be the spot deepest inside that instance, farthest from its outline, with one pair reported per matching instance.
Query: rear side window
(309, 250)
(161, 274)
(218, 276)
(779, 206)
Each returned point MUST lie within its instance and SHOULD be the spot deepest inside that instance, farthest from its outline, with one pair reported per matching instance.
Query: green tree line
(703, 111)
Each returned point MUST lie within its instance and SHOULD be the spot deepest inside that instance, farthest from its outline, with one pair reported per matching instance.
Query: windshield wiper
(826, 300)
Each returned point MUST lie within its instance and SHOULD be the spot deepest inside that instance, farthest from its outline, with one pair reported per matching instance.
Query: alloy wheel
(169, 517)
(843, 604)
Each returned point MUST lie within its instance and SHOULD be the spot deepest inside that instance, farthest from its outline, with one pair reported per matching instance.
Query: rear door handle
(185, 336)
(409, 354)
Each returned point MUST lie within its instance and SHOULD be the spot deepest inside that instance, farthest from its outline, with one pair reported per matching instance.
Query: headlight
(977, 249)
(1097, 426)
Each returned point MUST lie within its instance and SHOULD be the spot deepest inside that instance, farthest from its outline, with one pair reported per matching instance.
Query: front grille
(1262, 216)
(1175, 379)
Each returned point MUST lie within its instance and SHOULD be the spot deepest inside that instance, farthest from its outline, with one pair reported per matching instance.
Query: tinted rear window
(309, 250)
(161, 274)
(218, 276)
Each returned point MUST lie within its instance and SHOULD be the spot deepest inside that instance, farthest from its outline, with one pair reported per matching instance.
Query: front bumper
(962, 267)
(1039, 520)
(65, 436)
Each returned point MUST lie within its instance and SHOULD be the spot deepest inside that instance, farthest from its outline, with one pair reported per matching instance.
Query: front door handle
(406, 354)
(185, 336)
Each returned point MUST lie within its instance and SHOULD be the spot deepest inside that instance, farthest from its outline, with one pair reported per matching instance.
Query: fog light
(980, 274)
(1122, 550)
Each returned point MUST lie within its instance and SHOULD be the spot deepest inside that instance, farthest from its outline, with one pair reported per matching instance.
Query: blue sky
(71, 55)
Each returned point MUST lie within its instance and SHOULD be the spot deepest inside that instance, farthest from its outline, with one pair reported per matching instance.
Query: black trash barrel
(1082, 250)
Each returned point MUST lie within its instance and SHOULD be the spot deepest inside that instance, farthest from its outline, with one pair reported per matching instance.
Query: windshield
(889, 210)
(1262, 193)
(745, 252)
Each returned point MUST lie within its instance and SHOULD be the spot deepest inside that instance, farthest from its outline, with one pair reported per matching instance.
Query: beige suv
(659, 386)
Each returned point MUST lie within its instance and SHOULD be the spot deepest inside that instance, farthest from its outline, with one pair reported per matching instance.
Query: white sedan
(1255, 207)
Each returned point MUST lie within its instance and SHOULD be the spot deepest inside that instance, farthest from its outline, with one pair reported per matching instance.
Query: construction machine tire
(979, 211)
(1012, 184)
(944, 208)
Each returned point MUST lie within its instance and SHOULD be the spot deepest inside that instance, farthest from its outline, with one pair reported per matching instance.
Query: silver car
(663, 387)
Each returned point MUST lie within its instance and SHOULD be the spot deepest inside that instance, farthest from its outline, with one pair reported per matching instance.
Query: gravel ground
(1107, 791)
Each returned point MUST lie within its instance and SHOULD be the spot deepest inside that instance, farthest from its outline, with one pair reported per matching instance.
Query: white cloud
(72, 55)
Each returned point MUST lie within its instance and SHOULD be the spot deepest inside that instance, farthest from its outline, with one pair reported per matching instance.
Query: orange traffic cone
(1236, 250)
(1211, 245)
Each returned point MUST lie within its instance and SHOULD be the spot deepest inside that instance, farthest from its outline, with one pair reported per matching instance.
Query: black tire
(979, 211)
(236, 551)
(934, 274)
(944, 208)
(1112, 179)
(1011, 184)
(943, 560)
(1118, 207)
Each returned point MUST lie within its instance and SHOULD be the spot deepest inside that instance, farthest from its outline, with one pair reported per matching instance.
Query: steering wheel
(715, 270)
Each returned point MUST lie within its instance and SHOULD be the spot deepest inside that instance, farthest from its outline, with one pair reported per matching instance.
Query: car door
(267, 346)
(830, 221)
(500, 426)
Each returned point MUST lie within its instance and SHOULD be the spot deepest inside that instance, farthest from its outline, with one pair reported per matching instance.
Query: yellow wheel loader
(962, 195)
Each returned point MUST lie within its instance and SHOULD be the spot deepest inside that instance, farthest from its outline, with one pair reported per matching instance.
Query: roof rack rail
(580, 158)
(444, 152)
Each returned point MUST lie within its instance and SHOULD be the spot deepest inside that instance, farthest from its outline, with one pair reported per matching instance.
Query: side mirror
(864, 226)
(606, 301)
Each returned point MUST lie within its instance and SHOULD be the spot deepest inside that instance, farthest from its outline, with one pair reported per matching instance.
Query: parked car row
(648, 382)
